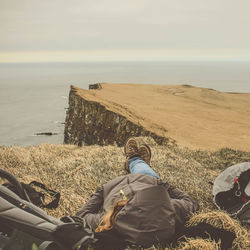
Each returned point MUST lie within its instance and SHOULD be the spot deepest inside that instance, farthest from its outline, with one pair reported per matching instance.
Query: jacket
(154, 212)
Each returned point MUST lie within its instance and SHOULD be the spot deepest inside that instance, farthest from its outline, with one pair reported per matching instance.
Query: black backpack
(230, 191)
(24, 226)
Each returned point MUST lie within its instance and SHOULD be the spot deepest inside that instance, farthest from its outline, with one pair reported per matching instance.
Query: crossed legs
(138, 158)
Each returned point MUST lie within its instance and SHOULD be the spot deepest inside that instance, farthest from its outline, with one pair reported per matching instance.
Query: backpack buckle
(237, 192)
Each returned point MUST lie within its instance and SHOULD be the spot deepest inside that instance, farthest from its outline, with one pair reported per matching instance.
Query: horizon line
(125, 55)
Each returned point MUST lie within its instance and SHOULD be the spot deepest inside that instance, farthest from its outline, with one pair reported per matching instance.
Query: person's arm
(183, 204)
(90, 210)
(176, 193)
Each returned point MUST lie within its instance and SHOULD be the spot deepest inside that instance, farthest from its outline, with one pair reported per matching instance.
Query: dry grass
(200, 244)
(77, 171)
(222, 220)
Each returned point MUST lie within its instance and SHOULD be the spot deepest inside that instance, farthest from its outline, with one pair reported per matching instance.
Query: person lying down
(138, 208)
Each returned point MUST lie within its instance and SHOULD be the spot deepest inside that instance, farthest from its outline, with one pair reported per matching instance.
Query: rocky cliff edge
(197, 118)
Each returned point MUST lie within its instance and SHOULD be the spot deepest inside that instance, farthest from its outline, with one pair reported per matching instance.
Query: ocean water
(34, 97)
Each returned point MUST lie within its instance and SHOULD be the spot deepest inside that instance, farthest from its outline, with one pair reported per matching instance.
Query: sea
(34, 96)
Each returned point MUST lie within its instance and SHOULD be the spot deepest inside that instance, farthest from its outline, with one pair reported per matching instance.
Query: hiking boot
(145, 153)
(130, 150)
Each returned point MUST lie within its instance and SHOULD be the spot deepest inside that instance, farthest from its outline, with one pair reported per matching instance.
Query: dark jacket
(153, 214)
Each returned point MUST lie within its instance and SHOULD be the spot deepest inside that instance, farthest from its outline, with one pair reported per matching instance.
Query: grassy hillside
(77, 171)
(197, 118)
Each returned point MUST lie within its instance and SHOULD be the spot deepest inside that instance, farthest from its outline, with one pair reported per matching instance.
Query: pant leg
(138, 166)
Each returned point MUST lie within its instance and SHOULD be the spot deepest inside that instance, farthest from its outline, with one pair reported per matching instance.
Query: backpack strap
(19, 204)
(74, 233)
(12, 179)
(55, 195)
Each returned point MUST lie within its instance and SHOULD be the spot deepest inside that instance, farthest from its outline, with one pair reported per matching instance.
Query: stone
(95, 86)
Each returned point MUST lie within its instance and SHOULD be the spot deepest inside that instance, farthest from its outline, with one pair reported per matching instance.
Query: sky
(127, 30)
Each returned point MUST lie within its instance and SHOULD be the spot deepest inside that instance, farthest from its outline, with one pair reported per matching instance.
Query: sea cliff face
(89, 122)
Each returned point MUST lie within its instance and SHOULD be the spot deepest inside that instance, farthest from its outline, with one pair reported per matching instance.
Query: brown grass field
(197, 118)
(77, 171)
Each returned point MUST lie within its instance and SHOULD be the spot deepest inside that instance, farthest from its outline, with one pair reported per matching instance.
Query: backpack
(29, 193)
(24, 226)
(231, 191)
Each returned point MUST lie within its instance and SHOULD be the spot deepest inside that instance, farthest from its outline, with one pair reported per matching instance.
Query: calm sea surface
(33, 97)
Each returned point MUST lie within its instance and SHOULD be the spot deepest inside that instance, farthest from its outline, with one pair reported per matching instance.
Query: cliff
(183, 115)
(89, 121)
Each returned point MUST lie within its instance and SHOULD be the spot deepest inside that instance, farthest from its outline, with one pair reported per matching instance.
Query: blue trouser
(138, 166)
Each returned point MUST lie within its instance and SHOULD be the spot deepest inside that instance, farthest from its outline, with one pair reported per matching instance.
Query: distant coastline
(44, 84)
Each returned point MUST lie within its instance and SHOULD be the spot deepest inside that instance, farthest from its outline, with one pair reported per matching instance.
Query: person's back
(148, 216)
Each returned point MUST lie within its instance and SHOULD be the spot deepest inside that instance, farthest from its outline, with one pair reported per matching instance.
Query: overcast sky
(76, 30)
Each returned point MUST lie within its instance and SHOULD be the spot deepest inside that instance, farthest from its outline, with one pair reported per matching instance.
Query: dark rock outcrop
(95, 86)
(88, 122)
(46, 133)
